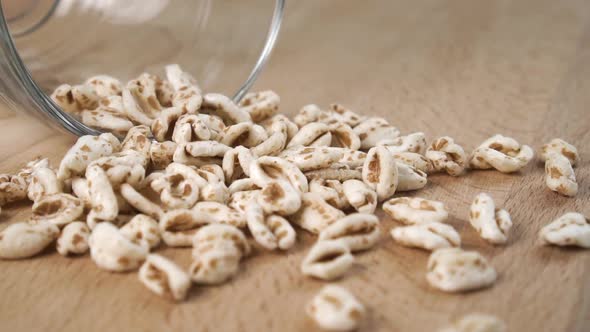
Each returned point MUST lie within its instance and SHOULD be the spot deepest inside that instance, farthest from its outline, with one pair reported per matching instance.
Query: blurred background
(429, 57)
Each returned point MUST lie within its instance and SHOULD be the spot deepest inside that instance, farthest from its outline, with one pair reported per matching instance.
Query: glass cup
(45, 43)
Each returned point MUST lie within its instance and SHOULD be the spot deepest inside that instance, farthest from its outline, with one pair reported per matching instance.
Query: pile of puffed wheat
(196, 170)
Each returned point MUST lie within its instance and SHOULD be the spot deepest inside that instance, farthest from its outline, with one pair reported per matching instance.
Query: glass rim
(46, 105)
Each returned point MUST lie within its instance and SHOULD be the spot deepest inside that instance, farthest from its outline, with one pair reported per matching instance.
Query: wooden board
(461, 68)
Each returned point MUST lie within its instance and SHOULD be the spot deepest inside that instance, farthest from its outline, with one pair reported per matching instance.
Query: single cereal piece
(267, 169)
(177, 227)
(23, 240)
(143, 92)
(492, 224)
(279, 197)
(64, 98)
(27, 172)
(73, 239)
(502, 153)
(110, 118)
(313, 157)
(58, 209)
(102, 197)
(344, 115)
(374, 130)
(164, 277)
(360, 196)
(455, 270)
(162, 154)
(270, 232)
(143, 230)
(246, 134)
(104, 85)
(206, 149)
(87, 149)
(179, 78)
(415, 160)
(353, 159)
(447, 156)
(337, 172)
(335, 309)
(12, 188)
(309, 113)
(380, 172)
(312, 134)
(112, 251)
(44, 182)
(360, 231)
(415, 142)
(138, 139)
(315, 213)
(260, 105)
(561, 147)
(276, 142)
(217, 251)
(429, 236)
(222, 106)
(327, 260)
(344, 136)
(559, 175)
(571, 229)
(220, 213)
(415, 210)
(410, 178)
(180, 186)
(132, 109)
(477, 323)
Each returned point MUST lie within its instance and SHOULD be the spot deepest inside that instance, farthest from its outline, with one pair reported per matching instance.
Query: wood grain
(461, 68)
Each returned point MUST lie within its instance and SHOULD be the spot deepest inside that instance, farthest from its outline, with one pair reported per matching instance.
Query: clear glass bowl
(224, 44)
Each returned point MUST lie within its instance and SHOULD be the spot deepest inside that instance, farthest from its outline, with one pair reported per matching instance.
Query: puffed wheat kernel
(315, 213)
(559, 175)
(571, 229)
(456, 270)
(58, 209)
(559, 146)
(415, 142)
(429, 236)
(23, 240)
(270, 232)
(112, 251)
(415, 210)
(164, 277)
(360, 196)
(360, 231)
(73, 239)
(502, 153)
(327, 260)
(477, 323)
(492, 224)
(380, 172)
(446, 156)
(335, 309)
(143, 230)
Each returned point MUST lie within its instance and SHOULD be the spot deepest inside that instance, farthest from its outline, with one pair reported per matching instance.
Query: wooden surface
(468, 69)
